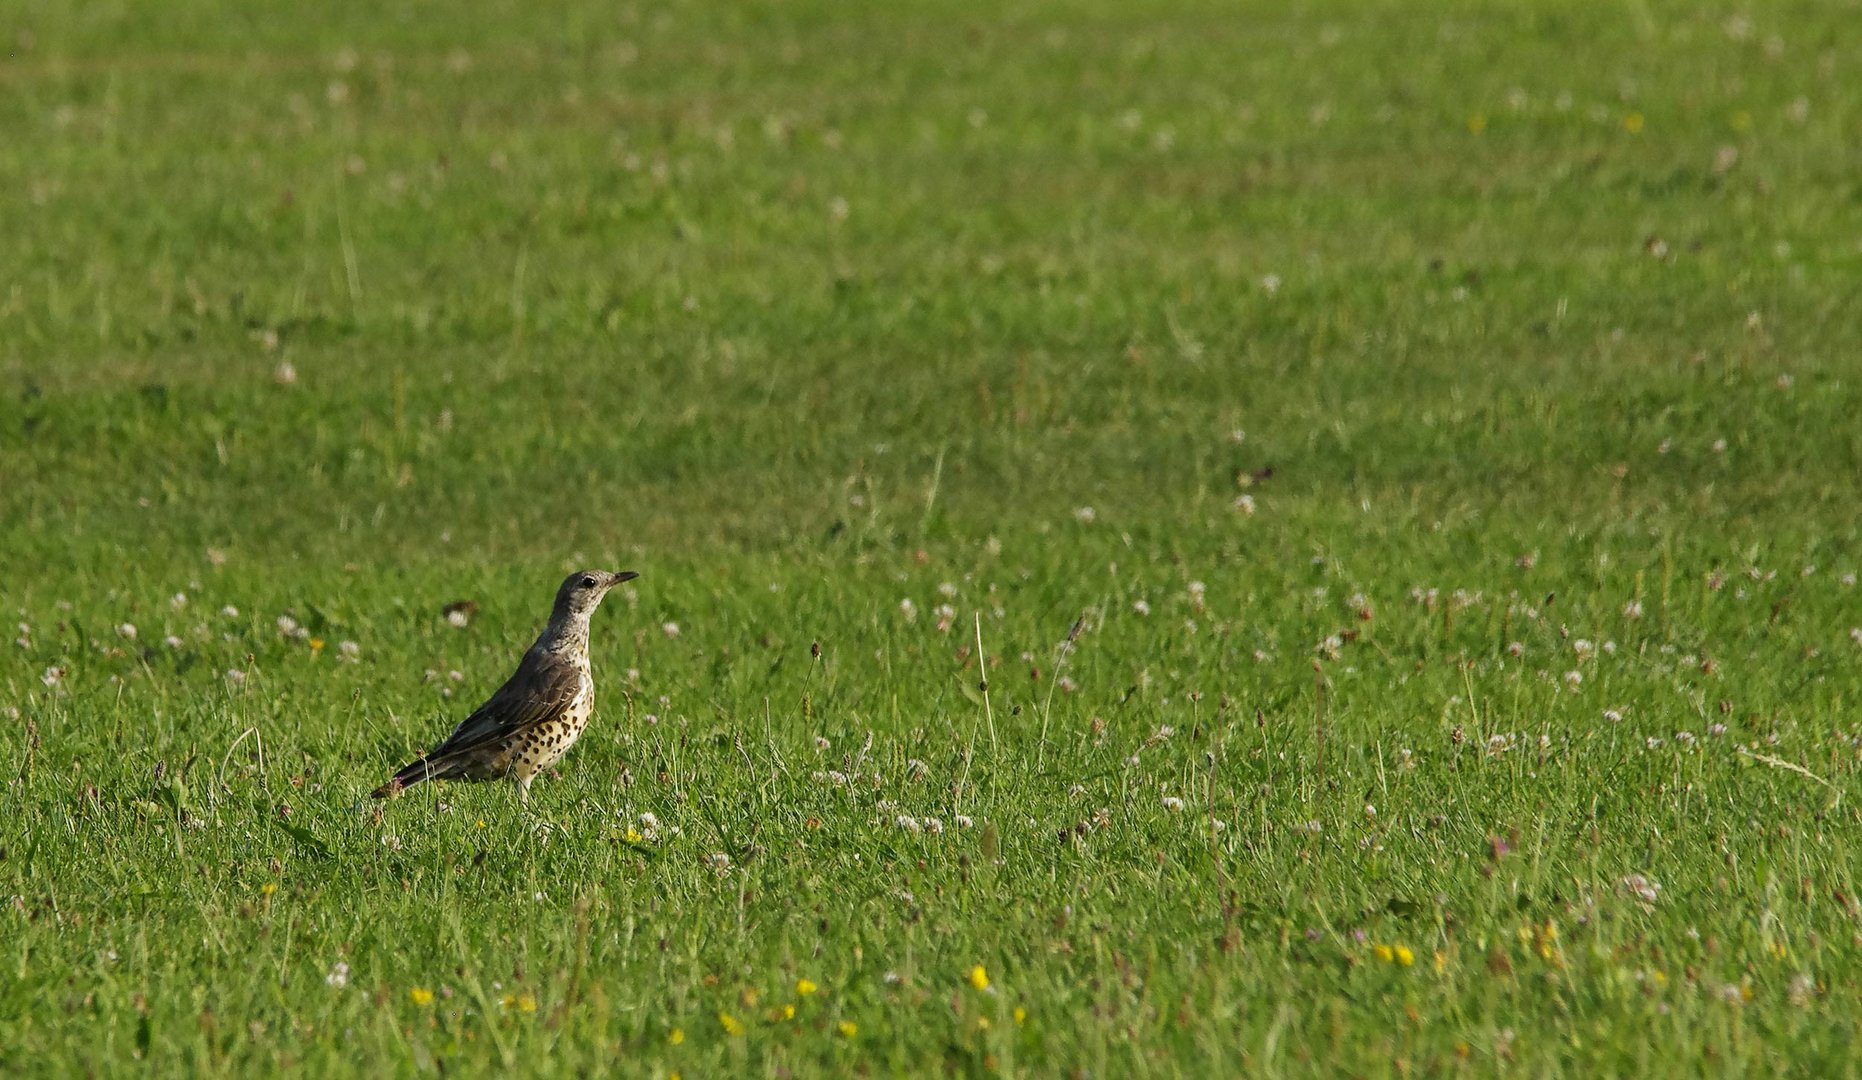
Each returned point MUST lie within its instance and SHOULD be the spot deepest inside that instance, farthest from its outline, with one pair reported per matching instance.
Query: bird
(539, 712)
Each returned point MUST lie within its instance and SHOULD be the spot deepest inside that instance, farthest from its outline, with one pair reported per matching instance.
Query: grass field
(1393, 466)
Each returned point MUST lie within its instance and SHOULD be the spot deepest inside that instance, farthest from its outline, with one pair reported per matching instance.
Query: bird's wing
(543, 687)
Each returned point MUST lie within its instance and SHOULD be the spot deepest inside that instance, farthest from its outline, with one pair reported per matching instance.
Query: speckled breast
(553, 738)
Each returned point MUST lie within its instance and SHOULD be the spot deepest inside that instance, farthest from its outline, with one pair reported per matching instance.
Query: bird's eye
(588, 583)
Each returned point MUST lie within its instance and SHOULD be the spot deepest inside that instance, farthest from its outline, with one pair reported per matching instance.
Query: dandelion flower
(805, 987)
(979, 978)
(421, 995)
(1404, 956)
(848, 1029)
(731, 1025)
(676, 1036)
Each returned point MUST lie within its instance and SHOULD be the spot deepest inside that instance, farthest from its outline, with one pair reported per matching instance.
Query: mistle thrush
(537, 715)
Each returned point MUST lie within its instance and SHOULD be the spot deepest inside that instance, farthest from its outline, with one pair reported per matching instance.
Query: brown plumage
(538, 714)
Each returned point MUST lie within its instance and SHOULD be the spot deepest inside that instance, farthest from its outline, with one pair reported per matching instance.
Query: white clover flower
(178, 601)
(458, 619)
(235, 676)
(1085, 515)
(1642, 888)
(821, 743)
(172, 641)
(1244, 504)
(1141, 607)
(908, 823)
(963, 821)
(908, 609)
(718, 861)
(230, 611)
(1632, 610)
(1574, 679)
(1173, 804)
(1583, 648)
(338, 976)
(126, 631)
(52, 675)
(934, 826)
(670, 629)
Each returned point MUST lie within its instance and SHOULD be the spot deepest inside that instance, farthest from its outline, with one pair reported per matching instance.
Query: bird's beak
(625, 575)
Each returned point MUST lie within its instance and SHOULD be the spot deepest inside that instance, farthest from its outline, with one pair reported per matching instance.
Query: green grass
(1542, 316)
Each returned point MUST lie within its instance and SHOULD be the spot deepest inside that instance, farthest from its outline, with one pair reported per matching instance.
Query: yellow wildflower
(269, 888)
(1021, 1015)
(1384, 953)
(788, 1012)
(1441, 961)
(676, 1036)
(481, 823)
(732, 1025)
(805, 987)
(633, 835)
(316, 644)
(421, 995)
(526, 1003)
(848, 1027)
(1633, 123)
(1404, 956)
(982, 1023)
(979, 978)
(1477, 123)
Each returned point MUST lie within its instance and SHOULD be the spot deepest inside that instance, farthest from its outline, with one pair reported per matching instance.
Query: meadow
(1177, 537)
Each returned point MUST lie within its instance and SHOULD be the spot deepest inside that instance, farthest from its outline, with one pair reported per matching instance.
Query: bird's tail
(424, 769)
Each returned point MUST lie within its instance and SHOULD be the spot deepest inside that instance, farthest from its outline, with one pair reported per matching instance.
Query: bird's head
(582, 591)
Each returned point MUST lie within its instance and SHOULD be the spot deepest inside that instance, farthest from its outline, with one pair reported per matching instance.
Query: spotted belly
(543, 744)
